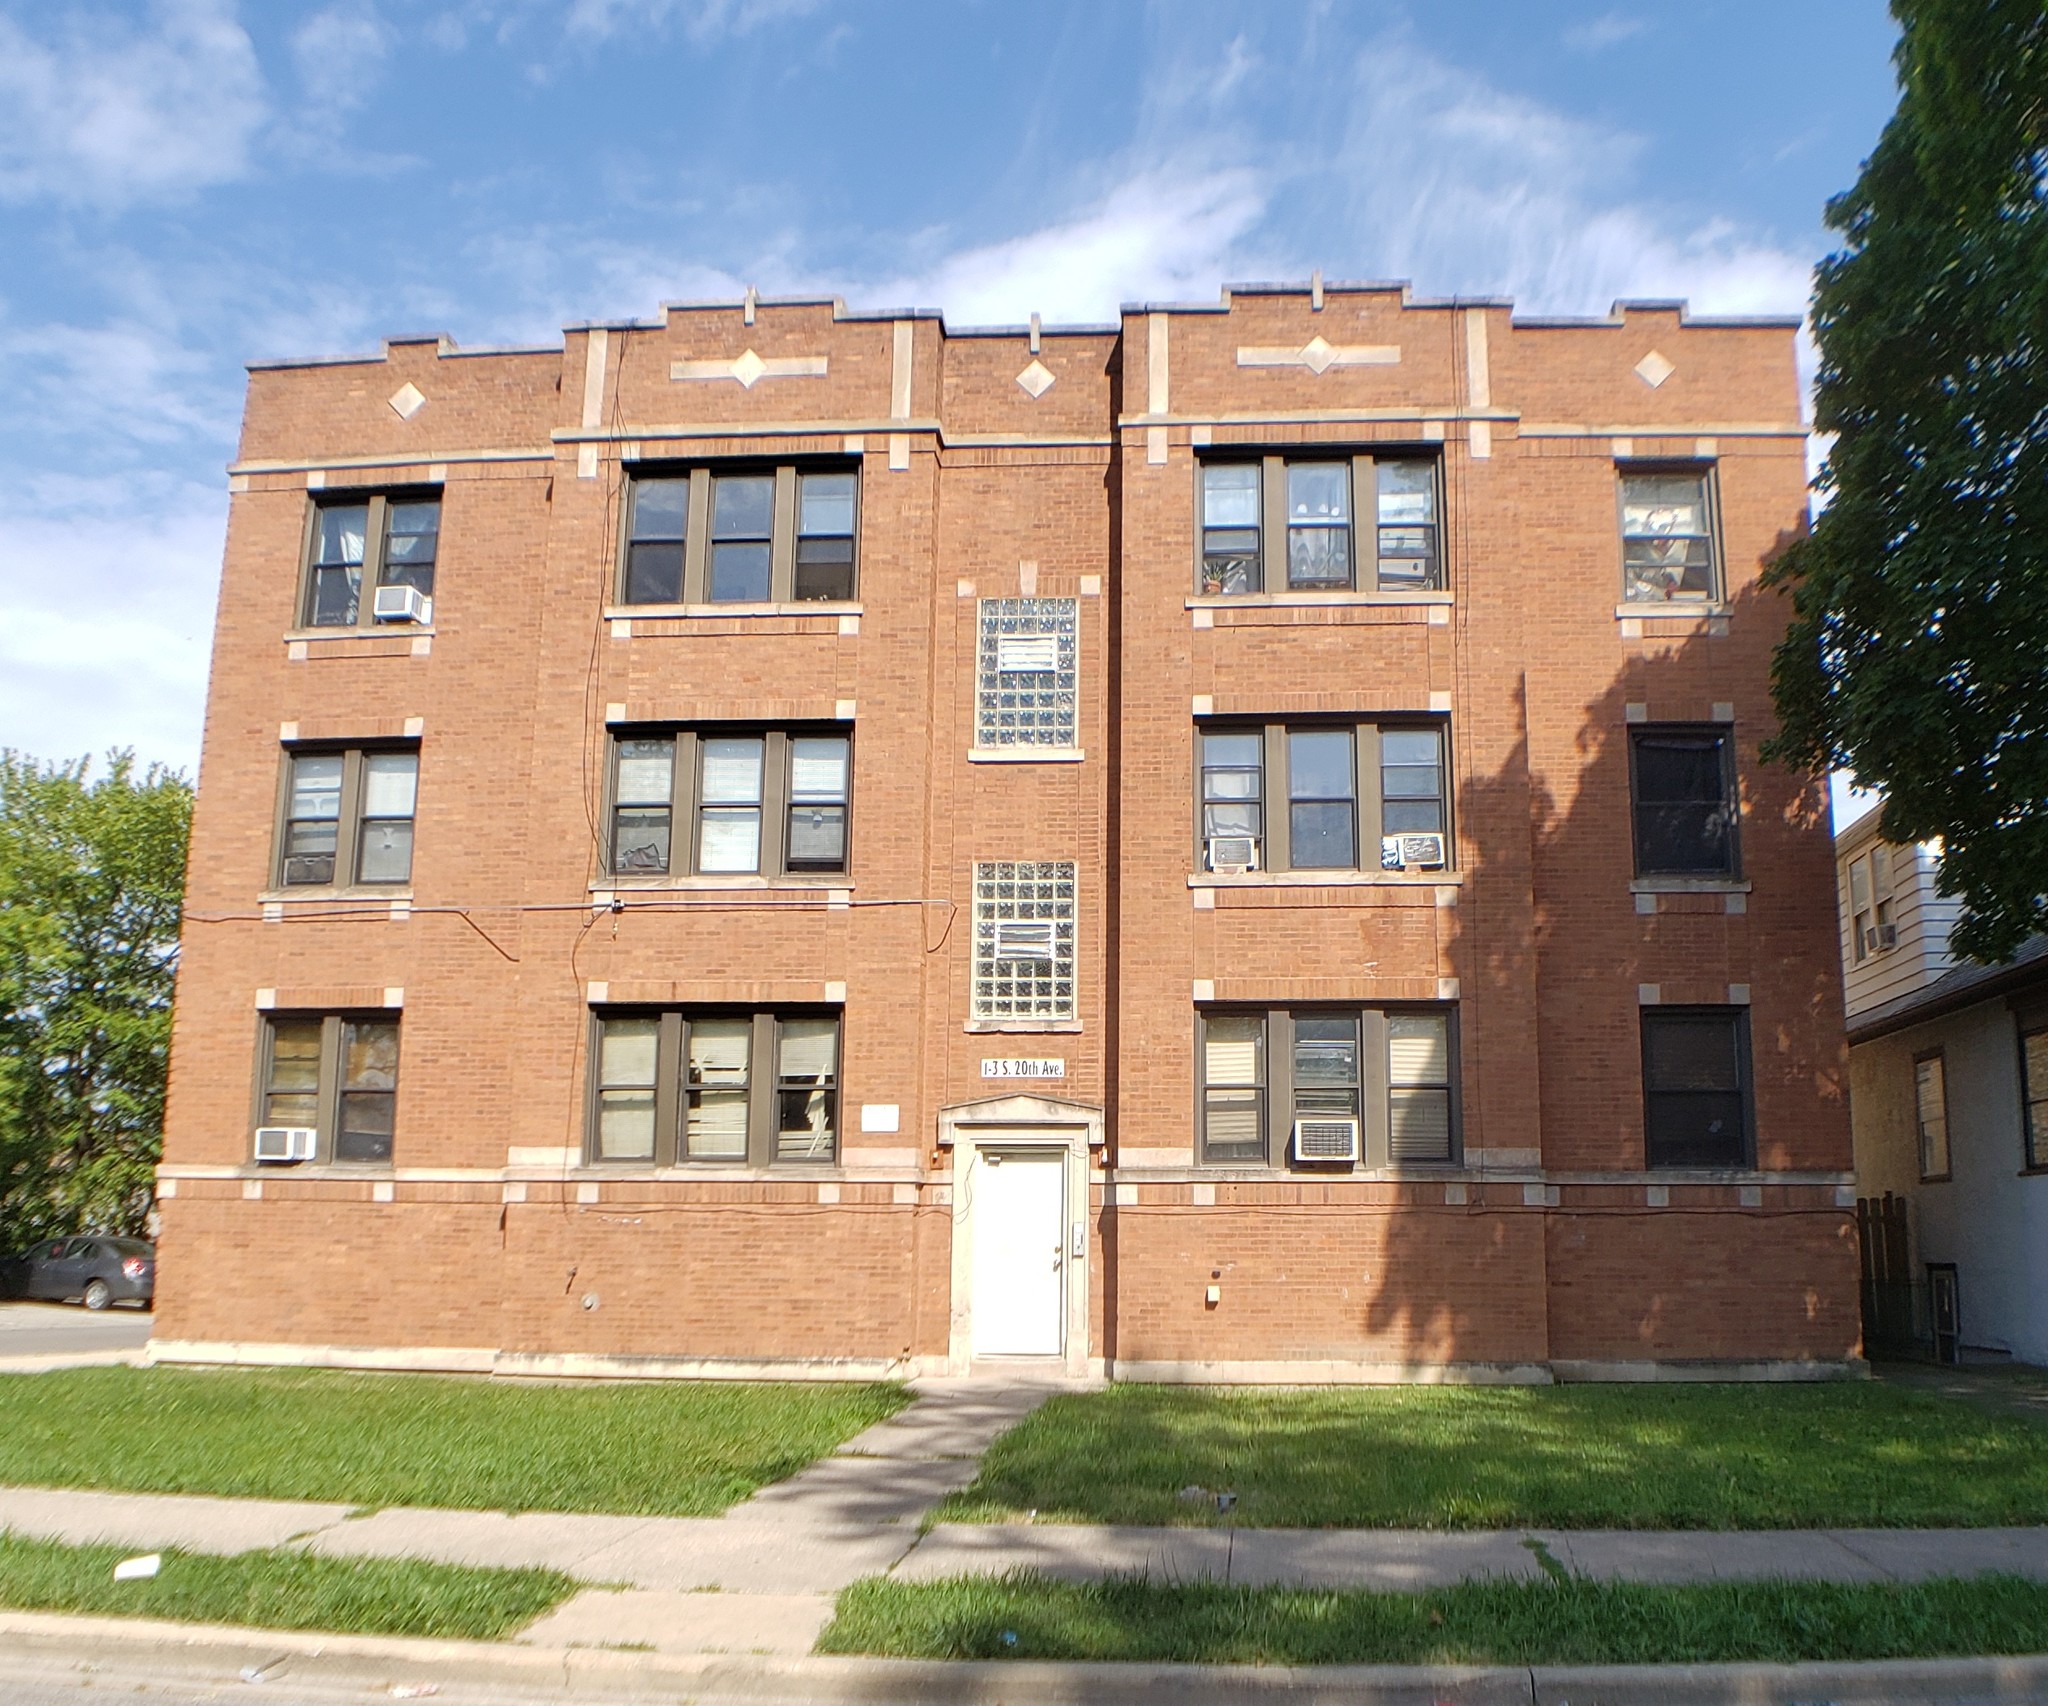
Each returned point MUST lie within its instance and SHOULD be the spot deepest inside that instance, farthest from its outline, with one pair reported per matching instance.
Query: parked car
(93, 1267)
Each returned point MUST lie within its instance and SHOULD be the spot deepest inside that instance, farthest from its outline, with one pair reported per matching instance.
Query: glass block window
(1026, 669)
(1024, 940)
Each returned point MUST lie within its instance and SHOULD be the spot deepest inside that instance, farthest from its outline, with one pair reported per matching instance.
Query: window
(742, 535)
(1667, 542)
(1685, 803)
(1307, 514)
(718, 1087)
(1930, 1109)
(750, 802)
(1026, 672)
(388, 539)
(337, 1075)
(1327, 796)
(2034, 1088)
(1696, 1094)
(348, 817)
(1861, 941)
(1384, 1073)
(1024, 941)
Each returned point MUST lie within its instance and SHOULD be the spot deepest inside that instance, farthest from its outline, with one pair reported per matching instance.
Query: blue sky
(188, 185)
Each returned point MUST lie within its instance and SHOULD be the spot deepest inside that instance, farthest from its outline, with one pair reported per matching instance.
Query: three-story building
(1224, 846)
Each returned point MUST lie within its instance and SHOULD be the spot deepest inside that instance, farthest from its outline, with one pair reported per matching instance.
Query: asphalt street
(59, 1329)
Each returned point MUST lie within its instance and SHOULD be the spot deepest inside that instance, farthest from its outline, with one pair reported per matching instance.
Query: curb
(111, 1652)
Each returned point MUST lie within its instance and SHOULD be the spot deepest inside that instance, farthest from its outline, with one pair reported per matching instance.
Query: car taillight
(133, 1267)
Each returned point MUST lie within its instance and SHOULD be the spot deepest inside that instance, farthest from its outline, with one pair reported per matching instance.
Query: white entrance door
(1019, 1255)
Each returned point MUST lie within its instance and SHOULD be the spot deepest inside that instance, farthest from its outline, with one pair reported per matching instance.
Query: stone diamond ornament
(1654, 369)
(748, 367)
(407, 401)
(1036, 379)
(1316, 355)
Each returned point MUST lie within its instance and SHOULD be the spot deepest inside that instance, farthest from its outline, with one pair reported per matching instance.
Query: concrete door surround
(1010, 1123)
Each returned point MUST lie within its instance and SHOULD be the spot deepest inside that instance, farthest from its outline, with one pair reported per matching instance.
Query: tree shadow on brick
(1565, 1246)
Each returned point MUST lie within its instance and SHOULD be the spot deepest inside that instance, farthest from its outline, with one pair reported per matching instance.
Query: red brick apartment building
(1226, 846)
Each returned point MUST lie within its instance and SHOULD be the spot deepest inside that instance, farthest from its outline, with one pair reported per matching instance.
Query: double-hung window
(717, 1086)
(2033, 1030)
(1323, 796)
(1696, 1086)
(750, 534)
(335, 1074)
(718, 801)
(347, 817)
(1930, 1109)
(1871, 930)
(354, 543)
(1668, 549)
(1683, 782)
(1320, 523)
(1318, 1087)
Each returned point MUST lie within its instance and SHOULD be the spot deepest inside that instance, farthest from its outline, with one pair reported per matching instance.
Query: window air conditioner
(402, 604)
(1887, 935)
(1399, 852)
(1232, 855)
(1326, 1140)
(285, 1142)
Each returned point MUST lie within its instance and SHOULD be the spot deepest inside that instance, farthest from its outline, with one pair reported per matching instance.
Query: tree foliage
(92, 876)
(1918, 656)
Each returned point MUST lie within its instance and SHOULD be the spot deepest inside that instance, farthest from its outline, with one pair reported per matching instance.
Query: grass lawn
(281, 1590)
(1493, 1622)
(660, 1448)
(1841, 1454)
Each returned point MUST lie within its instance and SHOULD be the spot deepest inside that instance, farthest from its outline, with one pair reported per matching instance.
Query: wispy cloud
(340, 52)
(1598, 34)
(98, 111)
(701, 21)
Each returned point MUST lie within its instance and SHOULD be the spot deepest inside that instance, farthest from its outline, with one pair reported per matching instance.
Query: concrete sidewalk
(761, 1578)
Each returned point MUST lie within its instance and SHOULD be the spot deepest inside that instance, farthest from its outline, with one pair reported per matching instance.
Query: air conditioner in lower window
(1232, 855)
(285, 1142)
(402, 604)
(1403, 852)
(1325, 1140)
(1887, 935)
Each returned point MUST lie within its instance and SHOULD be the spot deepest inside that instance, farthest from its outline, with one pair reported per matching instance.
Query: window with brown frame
(1322, 1087)
(1322, 796)
(740, 534)
(347, 817)
(335, 1074)
(1683, 790)
(1320, 522)
(717, 1086)
(364, 541)
(2033, 1031)
(730, 801)
(1696, 1086)
(1668, 549)
(1930, 1113)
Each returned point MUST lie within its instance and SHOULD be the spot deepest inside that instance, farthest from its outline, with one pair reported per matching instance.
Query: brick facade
(492, 1240)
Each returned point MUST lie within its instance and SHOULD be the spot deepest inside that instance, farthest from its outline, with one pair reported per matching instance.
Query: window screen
(1666, 546)
(1685, 811)
(1696, 1087)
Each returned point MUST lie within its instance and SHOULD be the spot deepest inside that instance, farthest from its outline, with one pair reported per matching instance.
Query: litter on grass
(138, 1569)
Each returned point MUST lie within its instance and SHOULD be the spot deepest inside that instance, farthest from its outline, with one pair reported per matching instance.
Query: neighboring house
(1228, 845)
(1948, 1076)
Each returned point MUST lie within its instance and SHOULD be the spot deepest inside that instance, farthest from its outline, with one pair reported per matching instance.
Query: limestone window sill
(383, 631)
(1325, 879)
(670, 612)
(1022, 1027)
(827, 883)
(1309, 600)
(1672, 610)
(1025, 755)
(312, 896)
(1691, 885)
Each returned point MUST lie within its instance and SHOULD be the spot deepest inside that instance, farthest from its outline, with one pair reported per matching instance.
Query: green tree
(92, 875)
(1918, 654)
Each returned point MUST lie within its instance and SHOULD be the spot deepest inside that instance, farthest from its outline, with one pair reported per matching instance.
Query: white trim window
(1026, 679)
(1024, 916)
